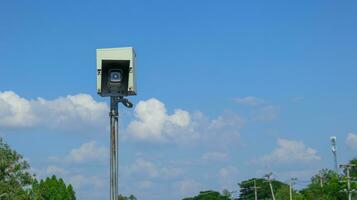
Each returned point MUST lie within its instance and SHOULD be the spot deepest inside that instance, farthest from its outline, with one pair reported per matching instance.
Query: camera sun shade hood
(116, 59)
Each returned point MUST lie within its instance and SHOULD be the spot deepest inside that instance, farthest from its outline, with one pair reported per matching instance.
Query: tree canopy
(52, 189)
(209, 195)
(131, 197)
(14, 175)
(264, 192)
(16, 183)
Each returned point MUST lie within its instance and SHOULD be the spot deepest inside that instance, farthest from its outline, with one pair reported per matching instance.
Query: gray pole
(349, 184)
(270, 184)
(114, 113)
(255, 190)
(348, 168)
(292, 181)
(321, 180)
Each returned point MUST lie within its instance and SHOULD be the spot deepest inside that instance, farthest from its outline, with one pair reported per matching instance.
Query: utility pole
(334, 152)
(254, 187)
(321, 178)
(255, 190)
(268, 177)
(348, 167)
(292, 182)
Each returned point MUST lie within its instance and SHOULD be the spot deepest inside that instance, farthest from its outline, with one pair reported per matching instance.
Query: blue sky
(228, 90)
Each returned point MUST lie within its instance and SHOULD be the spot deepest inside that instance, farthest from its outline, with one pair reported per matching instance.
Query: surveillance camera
(116, 72)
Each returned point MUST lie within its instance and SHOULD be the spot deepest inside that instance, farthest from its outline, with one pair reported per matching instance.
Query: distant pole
(255, 190)
(321, 180)
(292, 182)
(268, 176)
(348, 167)
(334, 152)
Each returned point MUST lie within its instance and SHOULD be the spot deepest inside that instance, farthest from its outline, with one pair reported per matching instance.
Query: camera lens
(115, 76)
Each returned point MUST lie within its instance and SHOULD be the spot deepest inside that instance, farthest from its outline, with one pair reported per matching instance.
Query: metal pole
(255, 190)
(348, 176)
(270, 184)
(321, 180)
(114, 113)
(349, 184)
(292, 182)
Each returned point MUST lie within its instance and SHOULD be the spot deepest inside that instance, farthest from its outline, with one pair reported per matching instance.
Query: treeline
(325, 185)
(16, 183)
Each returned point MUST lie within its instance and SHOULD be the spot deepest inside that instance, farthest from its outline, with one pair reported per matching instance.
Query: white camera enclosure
(116, 72)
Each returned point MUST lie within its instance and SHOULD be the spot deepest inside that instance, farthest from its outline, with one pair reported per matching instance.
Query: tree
(283, 193)
(353, 171)
(131, 197)
(52, 189)
(324, 186)
(208, 195)
(227, 194)
(264, 192)
(14, 176)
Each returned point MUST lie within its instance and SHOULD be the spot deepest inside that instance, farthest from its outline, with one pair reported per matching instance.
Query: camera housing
(116, 72)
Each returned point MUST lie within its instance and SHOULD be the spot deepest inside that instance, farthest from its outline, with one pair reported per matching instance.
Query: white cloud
(351, 140)
(214, 156)
(145, 184)
(188, 187)
(250, 101)
(153, 123)
(15, 111)
(227, 172)
(89, 151)
(266, 113)
(290, 151)
(81, 181)
(145, 168)
(226, 120)
(54, 170)
(79, 111)
(228, 176)
(304, 174)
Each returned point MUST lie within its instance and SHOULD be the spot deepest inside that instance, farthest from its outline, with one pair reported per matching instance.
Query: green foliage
(353, 172)
(284, 192)
(14, 176)
(52, 189)
(131, 197)
(227, 194)
(209, 195)
(330, 190)
(16, 181)
(264, 192)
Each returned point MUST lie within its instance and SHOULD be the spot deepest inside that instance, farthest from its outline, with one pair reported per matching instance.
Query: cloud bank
(351, 141)
(79, 111)
(291, 151)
